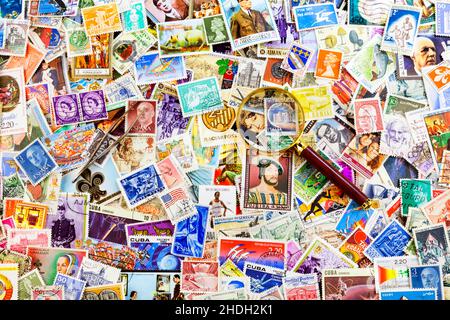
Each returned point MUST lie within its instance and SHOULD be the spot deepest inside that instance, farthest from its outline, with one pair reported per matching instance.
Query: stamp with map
(101, 19)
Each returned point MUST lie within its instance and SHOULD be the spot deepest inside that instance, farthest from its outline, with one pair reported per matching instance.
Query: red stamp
(200, 276)
(368, 116)
(145, 111)
(328, 64)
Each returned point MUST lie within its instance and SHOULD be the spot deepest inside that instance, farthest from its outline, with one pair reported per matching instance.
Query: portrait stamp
(312, 16)
(12, 101)
(140, 186)
(199, 276)
(301, 287)
(20, 239)
(428, 277)
(392, 273)
(134, 17)
(66, 109)
(431, 243)
(414, 193)
(316, 102)
(412, 294)
(401, 29)
(328, 64)
(104, 292)
(179, 38)
(349, 284)
(298, 59)
(73, 287)
(9, 277)
(28, 282)
(258, 193)
(101, 19)
(145, 112)
(262, 278)
(133, 152)
(190, 234)
(36, 162)
(93, 105)
(150, 68)
(244, 32)
(442, 18)
(216, 31)
(368, 115)
(78, 42)
(391, 242)
(47, 293)
(201, 96)
(96, 273)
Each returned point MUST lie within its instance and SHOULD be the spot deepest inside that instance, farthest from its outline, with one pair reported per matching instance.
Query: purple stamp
(152, 228)
(66, 109)
(93, 106)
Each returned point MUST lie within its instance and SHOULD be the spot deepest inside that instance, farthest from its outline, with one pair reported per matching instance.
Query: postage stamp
(414, 193)
(36, 162)
(30, 62)
(122, 89)
(260, 169)
(275, 75)
(444, 175)
(363, 13)
(293, 254)
(96, 273)
(101, 19)
(382, 245)
(66, 109)
(284, 228)
(171, 173)
(145, 112)
(392, 273)
(316, 102)
(384, 193)
(301, 287)
(170, 121)
(201, 96)
(147, 229)
(12, 101)
(16, 34)
(9, 278)
(238, 222)
(180, 38)
(312, 16)
(349, 284)
(93, 105)
(133, 152)
(438, 128)
(352, 217)
(442, 18)
(281, 117)
(28, 282)
(20, 239)
(154, 254)
(368, 115)
(199, 276)
(328, 64)
(134, 18)
(150, 68)
(216, 31)
(353, 247)
(298, 59)
(23, 261)
(249, 23)
(52, 48)
(78, 42)
(190, 234)
(431, 243)
(412, 294)
(104, 292)
(47, 293)
(416, 219)
(262, 278)
(439, 76)
(40, 92)
(73, 287)
(181, 147)
(28, 215)
(178, 204)
(428, 277)
(401, 29)
(221, 201)
(140, 186)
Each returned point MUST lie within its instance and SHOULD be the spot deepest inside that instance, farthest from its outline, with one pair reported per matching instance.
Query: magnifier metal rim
(286, 92)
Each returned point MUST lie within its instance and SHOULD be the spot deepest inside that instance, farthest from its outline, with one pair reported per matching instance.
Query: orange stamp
(328, 64)
(102, 19)
(27, 215)
(440, 76)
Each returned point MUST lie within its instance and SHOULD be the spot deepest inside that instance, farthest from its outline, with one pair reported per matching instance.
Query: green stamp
(414, 192)
(79, 43)
(28, 282)
(134, 19)
(79, 39)
(216, 31)
(199, 96)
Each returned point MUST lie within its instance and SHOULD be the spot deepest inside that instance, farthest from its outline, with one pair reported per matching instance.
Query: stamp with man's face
(36, 162)
(66, 109)
(93, 106)
(368, 115)
(145, 112)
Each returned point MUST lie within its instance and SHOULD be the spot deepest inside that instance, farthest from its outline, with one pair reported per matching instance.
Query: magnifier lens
(270, 119)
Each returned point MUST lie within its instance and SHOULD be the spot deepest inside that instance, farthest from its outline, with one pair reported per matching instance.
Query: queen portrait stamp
(298, 59)
(134, 17)
(368, 115)
(102, 19)
(66, 109)
(200, 276)
(401, 29)
(36, 162)
(328, 64)
(73, 287)
(93, 105)
(150, 68)
(216, 31)
(201, 96)
(312, 16)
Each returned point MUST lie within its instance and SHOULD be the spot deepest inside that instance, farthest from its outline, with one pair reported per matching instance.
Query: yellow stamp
(102, 19)
(105, 292)
(315, 101)
(30, 215)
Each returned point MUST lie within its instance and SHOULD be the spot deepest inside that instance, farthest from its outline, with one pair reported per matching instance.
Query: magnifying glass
(271, 120)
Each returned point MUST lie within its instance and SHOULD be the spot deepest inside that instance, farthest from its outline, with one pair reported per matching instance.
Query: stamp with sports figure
(93, 105)
(78, 42)
(9, 277)
(66, 109)
(328, 64)
(428, 277)
(431, 243)
(401, 29)
(36, 162)
(216, 31)
(314, 16)
(73, 287)
(368, 115)
(101, 19)
(150, 68)
(134, 17)
(297, 59)
(47, 293)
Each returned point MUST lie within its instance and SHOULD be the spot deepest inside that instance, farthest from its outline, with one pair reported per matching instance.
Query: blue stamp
(134, 19)
(401, 30)
(36, 162)
(73, 287)
(140, 186)
(57, 8)
(428, 277)
(155, 256)
(201, 96)
(190, 235)
(366, 13)
(2, 33)
(391, 242)
(442, 18)
(314, 16)
(418, 294)
(263, 277)
(298, 59)
(11, 9)
(150, 68)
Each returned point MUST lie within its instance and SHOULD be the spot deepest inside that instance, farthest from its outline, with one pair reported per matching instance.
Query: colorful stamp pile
(124, 176)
